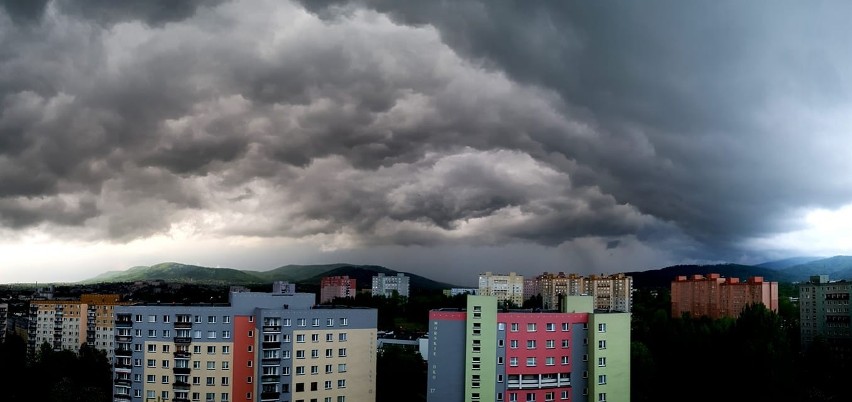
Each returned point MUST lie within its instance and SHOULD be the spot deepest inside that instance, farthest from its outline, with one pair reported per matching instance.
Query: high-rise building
(384, 285)
(504, 287)
(68, 324)
(610, 292)
(485, 354)
(716, 297)
(259, 347)
(4, 314)
(824, 311)
(337, 286)
(460, 291)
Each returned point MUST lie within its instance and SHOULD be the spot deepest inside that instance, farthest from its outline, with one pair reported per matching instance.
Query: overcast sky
(437, 137)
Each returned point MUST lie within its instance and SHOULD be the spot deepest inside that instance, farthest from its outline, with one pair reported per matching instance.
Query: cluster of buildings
(608, 292)
(332, 287)
(824, 312)
(487, 353)
(716, 297)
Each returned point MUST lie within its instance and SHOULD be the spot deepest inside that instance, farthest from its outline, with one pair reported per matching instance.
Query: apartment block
(67, 324)
(486, 354)
(824, 311)
(460, 291)
(504, 287)
(259, 347)
(716, 297)
(610, 292)
(4, 315)
(385, 285)
(337, 286)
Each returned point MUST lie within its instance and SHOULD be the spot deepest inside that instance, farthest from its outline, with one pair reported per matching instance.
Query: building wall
(824, 311)
(609, 339)
(717, 297)
(384, 285)
(480, 344)
(337, 286)
(504, 287)
(447, 356)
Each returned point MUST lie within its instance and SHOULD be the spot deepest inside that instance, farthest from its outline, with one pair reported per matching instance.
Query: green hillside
(837, 267)
(176, 272)
(660, 278)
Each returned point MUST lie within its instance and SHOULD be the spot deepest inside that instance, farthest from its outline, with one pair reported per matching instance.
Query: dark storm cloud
(414, 123)
(681, 93)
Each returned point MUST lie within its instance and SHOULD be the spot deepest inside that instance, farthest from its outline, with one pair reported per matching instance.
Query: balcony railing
(123, 352)
(183, 340)
(182, 370)
(269, 396)
(271, 328)
(180, 386)
(124, 323)
(183, 325)
(272, 345)
(270, 360)
(270, 378)
(182, 354)
(123, 338)
(122, 382)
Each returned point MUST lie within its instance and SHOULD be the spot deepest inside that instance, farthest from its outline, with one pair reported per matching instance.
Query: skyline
(435, 138)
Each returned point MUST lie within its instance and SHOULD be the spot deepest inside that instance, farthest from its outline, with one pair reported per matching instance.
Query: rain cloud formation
(587, 137)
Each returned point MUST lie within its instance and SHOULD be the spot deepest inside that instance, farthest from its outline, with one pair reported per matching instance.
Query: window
(138, 318)
(530, 396)
(602, 397)
(152, 348)
(226, 334)
(564, 360)
(165, 379)
(152, 318)
(314, 337)
(549, 396)
(531, 327)
(513, 361)
(602, 379)
(286, 322)
(167, 348)
(211, 319)
(602, 327)
(152, 363)
(152, 333)
(514, 328)
(513, 344)
(327, 385)
(563, 395)
(550, 344)
(501, 326)
(211, 350)
(301, 322)
(150, 378)
(329, 337)
(341, 383)
(226, 365)
(530, 361)
(196, 365)
(499, 359)
(531, 344)
(341, 368)
(300, 370)
(341, 352)
(300, 338)
(315, 322)
(565, 326)
(314, 370)
(198, 319)
(342, 337)
(211, 365)
(564, 343)
(550, 361)
(344, 322)
(285, 370)
(226, 350)
(513, 397)
(300, 354)
(137, 377)
(225, 397)
(211, 380)
(550, 327)
(167, 319)
(328, 369)
(329, 322)
(602, 344)
(601, 361)
(196, 334)
(329, 353)
(151, 394)
(226, 319)
(285, 354)
(251, 334)
(500, 343)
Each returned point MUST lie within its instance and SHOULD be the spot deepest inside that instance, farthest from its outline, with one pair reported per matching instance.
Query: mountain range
(796, 269)
(300, 274)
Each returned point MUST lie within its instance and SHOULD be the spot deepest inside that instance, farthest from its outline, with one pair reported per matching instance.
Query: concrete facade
(67, 324)
(259, 347)
(716, 297)
(504, 287)
(610, 292)
(521, 355)
(385, 285)
(824, 311)
(337, 286)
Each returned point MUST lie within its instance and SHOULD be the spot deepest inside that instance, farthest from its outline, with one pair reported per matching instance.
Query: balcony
(122, 365)
(266, 361)
(123, 338)
(271, 328)
(269, 396)
(272, 345)
(182, 370)
(123, 352)
(183, 324)
(124, 382)
(180, 386)
(183, 340)
(182, 354)
(124, 324)
(180, 400)
(270, 378)
(121, 397)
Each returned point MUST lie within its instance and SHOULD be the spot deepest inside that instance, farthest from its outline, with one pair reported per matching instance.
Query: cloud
(362, 125)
